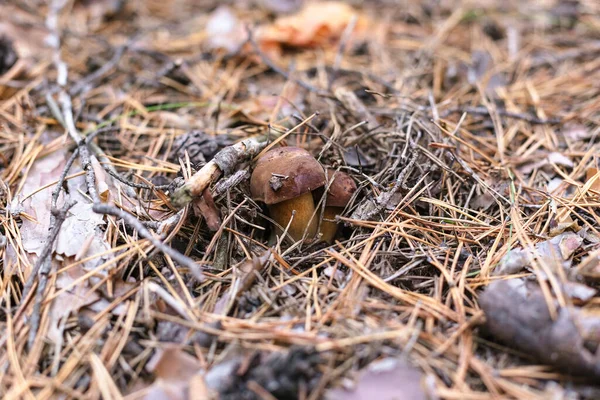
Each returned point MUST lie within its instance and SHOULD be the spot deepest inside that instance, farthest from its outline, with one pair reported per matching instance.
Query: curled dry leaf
(76, 296)
(592, 178)
(174, 371)
(317, 24)
(103, 182)
(206, 207)
(43, 171)
(562, 221)
(387, 379)
(555, 252)
(517, 314)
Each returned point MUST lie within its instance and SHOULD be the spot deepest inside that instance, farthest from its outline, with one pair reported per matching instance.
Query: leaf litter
(466, 264)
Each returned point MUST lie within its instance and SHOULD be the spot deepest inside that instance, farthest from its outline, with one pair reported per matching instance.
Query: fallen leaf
(103, 182)
(79, 225)
(69, 301)
(225, 31)
(172, 364)
(173, 369)
(592, 175)
(517, 314)
(578, 291)
(317, 24)
(590, 265)
(555, 252)
(206, 207)
(43, 171)
(562, 221)
(387, 379)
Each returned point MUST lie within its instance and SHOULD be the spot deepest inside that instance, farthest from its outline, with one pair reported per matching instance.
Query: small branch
(127, 182)
(136, 224)
(224, 162)
(231, 181)
(99, 73)
(43, 265)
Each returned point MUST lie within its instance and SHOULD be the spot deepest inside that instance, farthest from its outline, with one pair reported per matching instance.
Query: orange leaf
(589, 174)
(316, 24)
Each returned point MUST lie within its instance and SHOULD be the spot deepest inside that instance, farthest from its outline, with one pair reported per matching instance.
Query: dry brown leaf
(555, 252)
(517, 313)
(317, 24)
(69, 301)
(103, 181)
(387, 379)
(562, 222)
(78, 227)
(591, 174)
(174, 370)
(42, 172)
(206, 207)
(590, 265)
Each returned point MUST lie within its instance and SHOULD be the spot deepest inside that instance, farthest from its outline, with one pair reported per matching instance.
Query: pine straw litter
(136, 265)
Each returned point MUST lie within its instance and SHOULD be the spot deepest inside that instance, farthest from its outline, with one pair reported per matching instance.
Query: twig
(376, 205)
(44, 265)
(234, 180)
(84, 154)
(127, 182)
(55, 193)
(99, 73)
(136, 224)
(223, 162)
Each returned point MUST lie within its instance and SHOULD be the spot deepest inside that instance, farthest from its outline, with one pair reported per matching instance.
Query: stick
(224, 162)
(43, 264)
(136, 224)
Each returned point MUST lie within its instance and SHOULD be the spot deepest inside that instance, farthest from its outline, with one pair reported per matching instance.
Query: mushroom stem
(303, 220)
(329, 228)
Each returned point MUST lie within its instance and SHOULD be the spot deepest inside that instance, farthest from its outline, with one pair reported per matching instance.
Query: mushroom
(283, 179)
(339, 193)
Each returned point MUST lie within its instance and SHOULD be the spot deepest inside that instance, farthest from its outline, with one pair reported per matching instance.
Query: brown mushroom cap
(297, 172)
(341, 189)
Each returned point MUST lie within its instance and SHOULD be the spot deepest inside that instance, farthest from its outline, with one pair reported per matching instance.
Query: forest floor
(136, 264)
